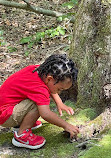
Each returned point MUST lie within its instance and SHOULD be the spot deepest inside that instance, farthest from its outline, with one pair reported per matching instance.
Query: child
(24, 97)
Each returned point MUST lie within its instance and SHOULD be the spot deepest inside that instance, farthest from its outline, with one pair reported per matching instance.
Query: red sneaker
(36, 125)
(28, 140)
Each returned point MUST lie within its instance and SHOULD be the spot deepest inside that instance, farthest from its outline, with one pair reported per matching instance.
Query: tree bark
(91, 52)
(97, 126)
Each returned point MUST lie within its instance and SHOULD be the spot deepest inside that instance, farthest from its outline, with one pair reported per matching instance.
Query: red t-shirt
(20, 86)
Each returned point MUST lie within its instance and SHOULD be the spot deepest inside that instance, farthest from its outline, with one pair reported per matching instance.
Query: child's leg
(25, 114)
(20, 112)
(28, 121)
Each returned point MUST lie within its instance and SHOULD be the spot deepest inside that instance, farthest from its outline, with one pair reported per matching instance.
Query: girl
(25, 96)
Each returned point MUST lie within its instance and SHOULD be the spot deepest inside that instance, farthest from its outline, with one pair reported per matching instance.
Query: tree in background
(91, 50)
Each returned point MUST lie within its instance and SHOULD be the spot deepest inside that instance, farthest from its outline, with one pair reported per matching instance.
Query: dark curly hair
(59, 66)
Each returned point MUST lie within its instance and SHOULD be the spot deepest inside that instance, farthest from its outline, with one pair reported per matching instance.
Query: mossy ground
(57, 146)
(101, 149)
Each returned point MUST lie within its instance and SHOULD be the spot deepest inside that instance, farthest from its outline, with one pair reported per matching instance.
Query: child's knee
(20, 111)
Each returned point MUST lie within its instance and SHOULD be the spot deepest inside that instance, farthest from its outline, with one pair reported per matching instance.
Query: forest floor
(14, 25)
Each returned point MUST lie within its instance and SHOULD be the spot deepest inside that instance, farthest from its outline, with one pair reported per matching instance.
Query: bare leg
(28, 121)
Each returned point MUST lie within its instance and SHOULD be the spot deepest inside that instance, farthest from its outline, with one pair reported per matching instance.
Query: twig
(88, 141)
(94, 144)
(81, 144)
(94, 138)
(27, 6)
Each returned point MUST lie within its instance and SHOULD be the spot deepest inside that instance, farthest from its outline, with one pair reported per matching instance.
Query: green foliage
(66, 16)
(70, 4)
(12, 49)
(1, 32)
(27, 53)
(39, 36)
(66, 48)
(25, 40)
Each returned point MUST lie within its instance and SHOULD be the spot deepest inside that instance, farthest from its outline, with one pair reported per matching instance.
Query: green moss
(86, 114)
(101, 151)
(5, 137)
(96, 86)
(97, 121)
(56, 145)
(66, 151)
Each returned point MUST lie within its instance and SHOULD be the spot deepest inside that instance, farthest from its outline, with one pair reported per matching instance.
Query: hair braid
(59, 66)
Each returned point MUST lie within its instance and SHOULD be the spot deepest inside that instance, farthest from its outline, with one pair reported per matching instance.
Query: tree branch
(27, 6)
(27, 2)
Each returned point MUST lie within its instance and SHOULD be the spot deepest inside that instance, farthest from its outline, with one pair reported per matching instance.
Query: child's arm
(51, 117)
(61, 106)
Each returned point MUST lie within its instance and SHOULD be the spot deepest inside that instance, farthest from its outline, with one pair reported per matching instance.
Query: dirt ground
(17, 24)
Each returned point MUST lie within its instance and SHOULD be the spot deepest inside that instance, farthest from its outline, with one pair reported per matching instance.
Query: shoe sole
(16, 129)
(18, 144)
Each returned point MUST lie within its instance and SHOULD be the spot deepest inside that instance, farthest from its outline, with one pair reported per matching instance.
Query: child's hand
(62, 107)
(73, 130)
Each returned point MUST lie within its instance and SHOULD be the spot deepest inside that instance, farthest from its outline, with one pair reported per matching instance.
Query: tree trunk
(97, 126)
(90, 49)
(91, 52)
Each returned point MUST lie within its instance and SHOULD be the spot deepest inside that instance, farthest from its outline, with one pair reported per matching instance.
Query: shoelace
(30, 133)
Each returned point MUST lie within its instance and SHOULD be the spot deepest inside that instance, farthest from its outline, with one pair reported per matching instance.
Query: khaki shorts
(19, 112)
